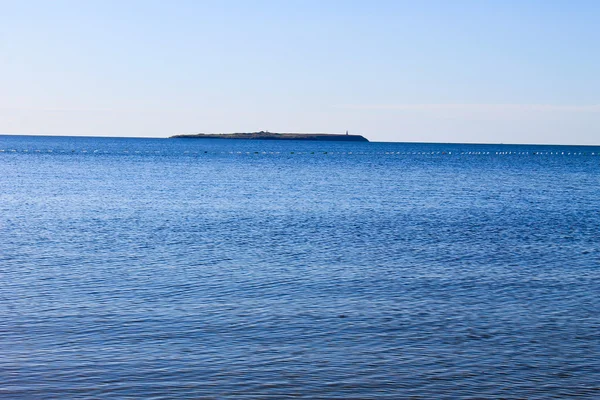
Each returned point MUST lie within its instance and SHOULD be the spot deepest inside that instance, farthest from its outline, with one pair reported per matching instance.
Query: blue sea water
(174, 268)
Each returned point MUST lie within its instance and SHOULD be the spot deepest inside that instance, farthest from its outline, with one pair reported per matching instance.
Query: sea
(220, 269)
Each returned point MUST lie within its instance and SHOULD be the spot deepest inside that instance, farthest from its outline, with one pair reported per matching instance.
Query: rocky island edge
(264, 135)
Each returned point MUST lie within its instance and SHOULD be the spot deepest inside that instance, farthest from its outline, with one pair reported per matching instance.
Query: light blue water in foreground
(155, 269)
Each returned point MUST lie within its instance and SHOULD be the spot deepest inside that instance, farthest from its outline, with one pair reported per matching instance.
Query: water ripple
(154, 269)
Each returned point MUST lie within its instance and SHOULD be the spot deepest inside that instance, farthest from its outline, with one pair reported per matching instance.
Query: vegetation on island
(266, 135)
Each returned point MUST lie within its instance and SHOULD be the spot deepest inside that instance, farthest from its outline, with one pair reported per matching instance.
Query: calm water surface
(159, 269)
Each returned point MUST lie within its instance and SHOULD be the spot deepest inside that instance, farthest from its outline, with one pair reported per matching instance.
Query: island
(265, 135)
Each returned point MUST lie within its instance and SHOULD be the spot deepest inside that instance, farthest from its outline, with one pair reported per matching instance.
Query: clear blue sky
(444, 71)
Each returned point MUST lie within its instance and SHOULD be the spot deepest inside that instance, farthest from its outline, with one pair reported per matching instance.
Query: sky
(480, 71)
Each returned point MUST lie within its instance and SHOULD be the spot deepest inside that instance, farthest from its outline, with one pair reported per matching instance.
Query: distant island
(265, 135)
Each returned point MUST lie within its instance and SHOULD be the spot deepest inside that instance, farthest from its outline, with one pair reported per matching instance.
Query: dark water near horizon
(161, 269)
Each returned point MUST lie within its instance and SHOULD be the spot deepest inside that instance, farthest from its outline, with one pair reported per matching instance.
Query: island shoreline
(264, 135)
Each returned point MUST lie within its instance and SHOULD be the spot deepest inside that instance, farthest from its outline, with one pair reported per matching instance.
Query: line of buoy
(419, 153)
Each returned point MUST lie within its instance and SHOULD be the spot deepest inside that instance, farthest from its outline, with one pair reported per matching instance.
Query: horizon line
(370, 141)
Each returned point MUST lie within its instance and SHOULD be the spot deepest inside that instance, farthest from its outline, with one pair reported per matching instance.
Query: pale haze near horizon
(422, 71)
